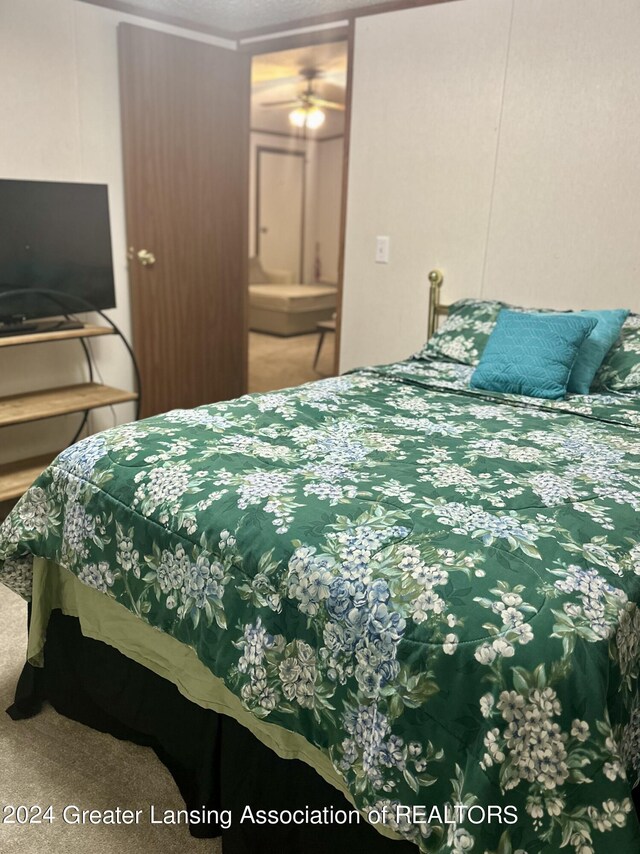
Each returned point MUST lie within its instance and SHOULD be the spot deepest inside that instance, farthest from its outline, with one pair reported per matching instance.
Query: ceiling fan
(307, 109)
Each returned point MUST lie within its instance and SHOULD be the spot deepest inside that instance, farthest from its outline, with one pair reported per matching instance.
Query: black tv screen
(54, 236)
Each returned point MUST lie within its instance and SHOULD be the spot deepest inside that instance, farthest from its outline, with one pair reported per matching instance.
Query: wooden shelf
(16, 478)
(35, 405)
(60, 335)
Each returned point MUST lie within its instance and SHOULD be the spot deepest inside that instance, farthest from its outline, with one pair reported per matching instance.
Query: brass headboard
(436, 309)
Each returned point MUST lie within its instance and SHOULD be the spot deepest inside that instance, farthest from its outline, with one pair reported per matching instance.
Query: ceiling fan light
(309, 117)
(315, 118)
(298, 117)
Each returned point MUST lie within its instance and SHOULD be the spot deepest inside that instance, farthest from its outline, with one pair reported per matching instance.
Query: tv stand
(36, 327)
(16, 477)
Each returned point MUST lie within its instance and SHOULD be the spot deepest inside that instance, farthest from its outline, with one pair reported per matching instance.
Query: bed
(280, 306)
(426, 594)
(290, 309)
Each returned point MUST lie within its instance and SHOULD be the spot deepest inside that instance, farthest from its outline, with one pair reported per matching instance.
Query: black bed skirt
(216, 763)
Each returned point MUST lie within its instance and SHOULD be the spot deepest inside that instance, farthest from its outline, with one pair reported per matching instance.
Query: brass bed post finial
(435, 278)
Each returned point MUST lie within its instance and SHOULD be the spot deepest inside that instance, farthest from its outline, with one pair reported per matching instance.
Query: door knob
(146, 258)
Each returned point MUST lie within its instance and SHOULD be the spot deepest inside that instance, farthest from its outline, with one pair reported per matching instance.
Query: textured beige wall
(328, 194)
(496, 139)
(60, 111)
(565, 224)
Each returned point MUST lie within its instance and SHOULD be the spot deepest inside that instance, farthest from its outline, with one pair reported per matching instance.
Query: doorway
(299, 129)
(280, 199)
(190, 305)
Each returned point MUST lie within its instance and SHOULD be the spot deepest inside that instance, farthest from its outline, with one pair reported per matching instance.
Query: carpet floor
(50, 760)
(284, 362)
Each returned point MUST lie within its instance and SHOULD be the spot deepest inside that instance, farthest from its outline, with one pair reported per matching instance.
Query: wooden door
(280, 209)
(185, 130)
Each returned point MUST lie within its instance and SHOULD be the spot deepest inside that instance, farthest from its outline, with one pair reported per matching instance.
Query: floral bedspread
(437, 588)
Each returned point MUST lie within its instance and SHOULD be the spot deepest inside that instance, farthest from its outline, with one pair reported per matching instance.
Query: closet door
(185, 132)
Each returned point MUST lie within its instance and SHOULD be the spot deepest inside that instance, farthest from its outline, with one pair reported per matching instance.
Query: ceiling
(276, 77)
(236, 16)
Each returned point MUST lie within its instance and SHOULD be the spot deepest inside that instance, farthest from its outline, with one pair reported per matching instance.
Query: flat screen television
(54, 236)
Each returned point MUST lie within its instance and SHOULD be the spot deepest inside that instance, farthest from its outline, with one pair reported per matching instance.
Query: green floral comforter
(437, 588)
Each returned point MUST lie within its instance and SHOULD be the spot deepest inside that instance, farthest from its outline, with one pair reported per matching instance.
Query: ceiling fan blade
(288, 103)
(329, 105)
(273, 83)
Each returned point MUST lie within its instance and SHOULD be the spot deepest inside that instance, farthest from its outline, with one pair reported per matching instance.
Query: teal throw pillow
(595, 347)
(532, 353)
